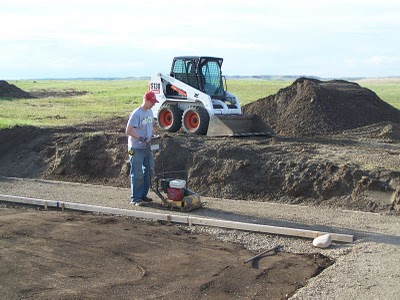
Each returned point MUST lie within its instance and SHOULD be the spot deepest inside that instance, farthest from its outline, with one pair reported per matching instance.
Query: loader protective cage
(201, 73)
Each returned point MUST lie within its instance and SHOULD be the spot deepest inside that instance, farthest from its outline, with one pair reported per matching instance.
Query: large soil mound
(313, 107)
(11, 91)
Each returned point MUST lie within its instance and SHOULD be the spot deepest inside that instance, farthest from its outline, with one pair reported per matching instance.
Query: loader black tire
(169, 117)
(195, 120)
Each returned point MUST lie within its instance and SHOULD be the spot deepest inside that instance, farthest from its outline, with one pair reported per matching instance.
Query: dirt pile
(52, 93)
(311, 107)
(11, 91)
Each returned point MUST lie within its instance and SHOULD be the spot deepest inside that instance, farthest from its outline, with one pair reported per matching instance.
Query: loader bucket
(238, 125)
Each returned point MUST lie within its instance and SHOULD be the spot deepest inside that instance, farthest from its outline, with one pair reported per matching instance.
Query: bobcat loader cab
(194, 97)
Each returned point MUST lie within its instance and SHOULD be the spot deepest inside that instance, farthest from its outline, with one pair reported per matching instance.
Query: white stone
(322, 241)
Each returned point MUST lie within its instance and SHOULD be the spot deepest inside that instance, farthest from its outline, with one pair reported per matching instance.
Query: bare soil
(48, 255)
(335, 144)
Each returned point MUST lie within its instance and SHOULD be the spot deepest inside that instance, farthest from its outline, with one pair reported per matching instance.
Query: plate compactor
(174, 193)
(172, 190)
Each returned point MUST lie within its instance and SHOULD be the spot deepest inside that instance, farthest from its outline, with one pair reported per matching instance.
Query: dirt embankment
(336, 144)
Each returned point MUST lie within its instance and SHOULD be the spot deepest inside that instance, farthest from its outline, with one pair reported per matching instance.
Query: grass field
(111, 98)
(387, 89)
(104, 99)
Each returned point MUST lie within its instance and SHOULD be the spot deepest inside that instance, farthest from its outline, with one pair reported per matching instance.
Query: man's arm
(130, 130)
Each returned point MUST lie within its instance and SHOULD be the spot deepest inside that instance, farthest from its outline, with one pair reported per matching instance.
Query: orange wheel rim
(192, 120)
(166, 118)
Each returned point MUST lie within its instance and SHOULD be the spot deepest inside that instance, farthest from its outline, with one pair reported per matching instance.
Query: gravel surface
(369, 268)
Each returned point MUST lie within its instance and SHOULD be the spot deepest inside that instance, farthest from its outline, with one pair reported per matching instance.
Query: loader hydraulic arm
(192, 95)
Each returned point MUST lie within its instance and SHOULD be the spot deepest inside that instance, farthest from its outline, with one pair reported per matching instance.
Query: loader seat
(192, 78)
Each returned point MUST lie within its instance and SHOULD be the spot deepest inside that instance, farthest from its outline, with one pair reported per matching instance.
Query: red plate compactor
(174, 193)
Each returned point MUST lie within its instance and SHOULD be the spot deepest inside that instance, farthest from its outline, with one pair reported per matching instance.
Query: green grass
(387, 89)
(117, 98)
(105, 99)
(251, 90)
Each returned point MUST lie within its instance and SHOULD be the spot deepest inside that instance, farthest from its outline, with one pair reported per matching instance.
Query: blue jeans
(142, 164)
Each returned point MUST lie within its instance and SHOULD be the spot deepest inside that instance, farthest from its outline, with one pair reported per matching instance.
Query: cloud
(280, 33)
(381, 60)
(376, 60)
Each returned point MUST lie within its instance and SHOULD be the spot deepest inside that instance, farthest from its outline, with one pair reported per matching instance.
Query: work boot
(147, 199)
(137, 202)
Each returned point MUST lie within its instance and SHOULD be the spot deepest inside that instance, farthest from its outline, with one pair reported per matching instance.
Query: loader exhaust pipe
(238, 125)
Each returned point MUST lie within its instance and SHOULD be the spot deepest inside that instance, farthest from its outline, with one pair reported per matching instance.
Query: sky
(129, 38)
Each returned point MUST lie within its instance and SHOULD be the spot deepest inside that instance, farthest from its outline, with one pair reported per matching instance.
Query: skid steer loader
(193, 96)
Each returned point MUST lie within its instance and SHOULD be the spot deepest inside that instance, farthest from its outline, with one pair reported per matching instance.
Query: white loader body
(193, 97)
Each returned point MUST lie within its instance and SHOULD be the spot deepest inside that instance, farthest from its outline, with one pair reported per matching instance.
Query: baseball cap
(150, 96)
